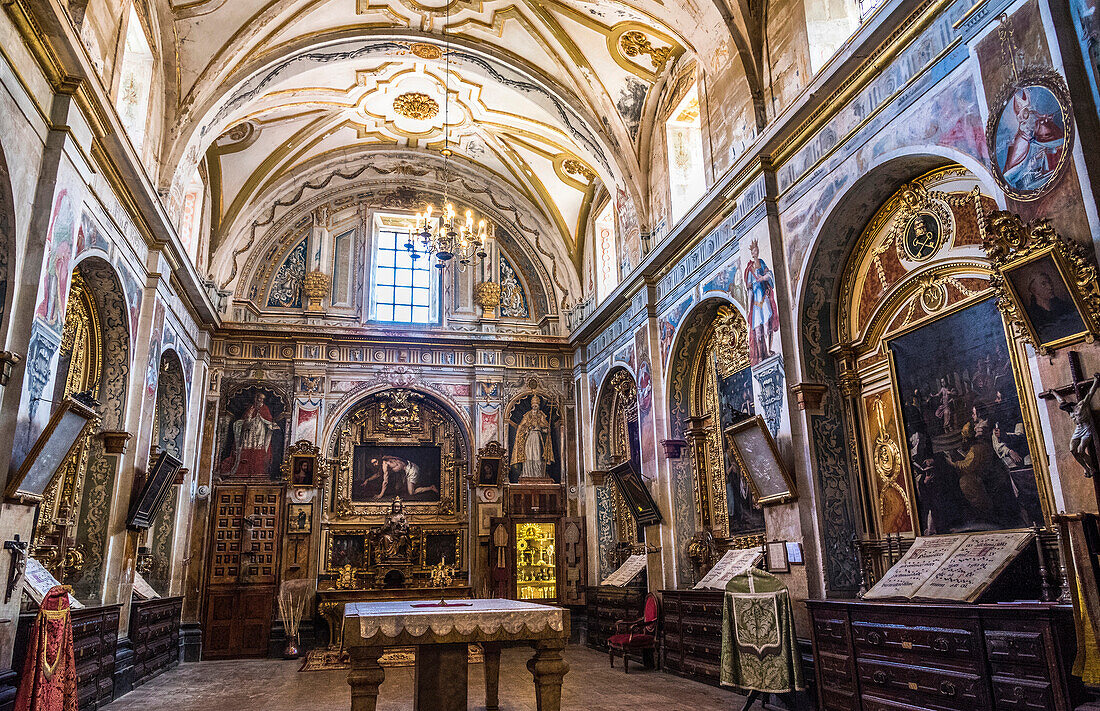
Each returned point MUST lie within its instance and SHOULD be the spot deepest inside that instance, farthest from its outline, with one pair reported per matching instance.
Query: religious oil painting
(347, 549)
(254, 435)
(1030, 136)
(299, 518)
(534, 440)
(735, 404)
(968, 450)
(1043, 296)
(383, 472)
(302, 470)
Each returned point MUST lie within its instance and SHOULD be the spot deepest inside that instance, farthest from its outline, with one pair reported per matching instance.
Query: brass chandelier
(443, 233)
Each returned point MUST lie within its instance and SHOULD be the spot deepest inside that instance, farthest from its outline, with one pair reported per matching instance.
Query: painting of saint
(59, 252)
(1046, 300)
(388, 472)
(968, 453)
(533, 429)
(763, 314)
(301, 471)
(1030, 140)
(253, 442)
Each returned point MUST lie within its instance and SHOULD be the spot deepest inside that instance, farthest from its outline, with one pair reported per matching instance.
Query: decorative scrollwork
(635, 44)
(731, 337)
(576, 167)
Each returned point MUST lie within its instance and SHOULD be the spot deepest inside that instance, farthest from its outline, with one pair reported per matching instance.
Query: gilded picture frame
(303, 466)
(1046, 284)
(1068, 322)
(491, 468)
(758, 457)
(60, 437)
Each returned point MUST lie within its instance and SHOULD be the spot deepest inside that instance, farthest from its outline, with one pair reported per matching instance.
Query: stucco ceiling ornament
(635, 44)
(426, 51)
(575, 167)
(416, 106)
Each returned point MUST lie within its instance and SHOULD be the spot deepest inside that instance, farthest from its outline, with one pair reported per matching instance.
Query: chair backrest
(652, 608)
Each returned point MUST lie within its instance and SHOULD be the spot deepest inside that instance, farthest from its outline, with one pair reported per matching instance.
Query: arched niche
(169, 435)
(408, 425)
(617, 440)
(71, 533)
(711, 390)
(933, 375)
(896, 283)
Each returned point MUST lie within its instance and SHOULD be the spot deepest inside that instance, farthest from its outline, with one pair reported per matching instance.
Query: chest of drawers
(155, 633)
(691, 633)
(907, 656)
(605, 606)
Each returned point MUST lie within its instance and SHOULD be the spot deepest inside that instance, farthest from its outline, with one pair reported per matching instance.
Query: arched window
(684, 132)
(607, 260)
(135, 81)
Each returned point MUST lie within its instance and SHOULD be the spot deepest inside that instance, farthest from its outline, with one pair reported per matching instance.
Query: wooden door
(244, 570)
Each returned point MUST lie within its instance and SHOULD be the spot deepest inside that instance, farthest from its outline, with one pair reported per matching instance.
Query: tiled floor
(262, 685)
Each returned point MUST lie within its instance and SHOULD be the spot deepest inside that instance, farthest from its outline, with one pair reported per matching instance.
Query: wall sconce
(8, 361)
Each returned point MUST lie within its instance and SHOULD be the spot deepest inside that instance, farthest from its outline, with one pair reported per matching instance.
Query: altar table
(441, 636)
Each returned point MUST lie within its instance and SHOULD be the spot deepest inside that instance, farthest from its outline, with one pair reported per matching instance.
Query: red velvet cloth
(49, 672)
(630, 641)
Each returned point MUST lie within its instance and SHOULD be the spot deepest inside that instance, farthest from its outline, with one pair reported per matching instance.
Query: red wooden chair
(637, 636)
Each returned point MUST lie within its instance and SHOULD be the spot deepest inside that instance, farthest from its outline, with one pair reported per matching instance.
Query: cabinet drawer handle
(947, 688)
(940, 644)
(879, 677)
(874, 638)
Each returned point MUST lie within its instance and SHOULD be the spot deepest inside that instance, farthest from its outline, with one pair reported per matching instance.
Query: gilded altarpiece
(930, 373)
(398, 455)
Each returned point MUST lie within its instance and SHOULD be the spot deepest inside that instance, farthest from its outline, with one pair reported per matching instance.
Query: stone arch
(817, 300)
(169, 435)
(108, 296)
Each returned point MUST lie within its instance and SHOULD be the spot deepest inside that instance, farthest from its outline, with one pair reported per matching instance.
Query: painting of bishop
(533, 428)
(252, 446)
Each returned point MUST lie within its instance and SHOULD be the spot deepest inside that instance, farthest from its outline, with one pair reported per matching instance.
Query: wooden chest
(906, 656)
(691, 633)
(155, 633)
(605, 606)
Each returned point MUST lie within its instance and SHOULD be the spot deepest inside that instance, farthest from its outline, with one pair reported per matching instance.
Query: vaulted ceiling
(547, 96)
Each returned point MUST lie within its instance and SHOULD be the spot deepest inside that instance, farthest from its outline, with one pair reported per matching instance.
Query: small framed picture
(778, 562)
(794, 553)
(1048, 304)
(490, 464)
(485, 515)
(759, 460)
(303, 470)
(299, 518)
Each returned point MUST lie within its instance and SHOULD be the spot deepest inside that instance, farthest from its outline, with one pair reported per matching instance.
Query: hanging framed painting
(758, 457)
(1030, 133)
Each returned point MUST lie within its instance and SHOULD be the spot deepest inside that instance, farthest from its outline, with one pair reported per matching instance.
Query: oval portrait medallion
(1030, 135)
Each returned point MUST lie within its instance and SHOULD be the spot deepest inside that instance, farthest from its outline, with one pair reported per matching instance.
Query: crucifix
(1085, 441)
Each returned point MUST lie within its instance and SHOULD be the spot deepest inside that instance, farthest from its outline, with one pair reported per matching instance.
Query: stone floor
(265, 685)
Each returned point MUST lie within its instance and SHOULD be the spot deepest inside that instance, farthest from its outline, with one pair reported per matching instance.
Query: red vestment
(49, 672)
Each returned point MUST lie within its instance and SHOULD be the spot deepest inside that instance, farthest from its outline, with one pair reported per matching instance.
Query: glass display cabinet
(536, 561)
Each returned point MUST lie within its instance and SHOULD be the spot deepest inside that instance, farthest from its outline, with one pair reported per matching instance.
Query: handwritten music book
(733, 563)
(958, 567)
(626, 572)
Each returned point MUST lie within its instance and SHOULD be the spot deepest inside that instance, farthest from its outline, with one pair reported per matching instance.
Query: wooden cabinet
(155, 634)
(95, 638)
(607, 605)
(896, 656)
(691, 633)
(542, 560)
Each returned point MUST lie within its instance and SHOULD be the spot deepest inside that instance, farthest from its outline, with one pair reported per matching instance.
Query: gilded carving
(316, 286)
(576, 167)
(487, 295)
(426, 51)
(415, 105)
(731, 341)
(400, 415)
(635, 44)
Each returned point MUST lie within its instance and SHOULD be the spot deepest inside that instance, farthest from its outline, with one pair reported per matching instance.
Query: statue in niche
(395, 541)
(533, 449)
